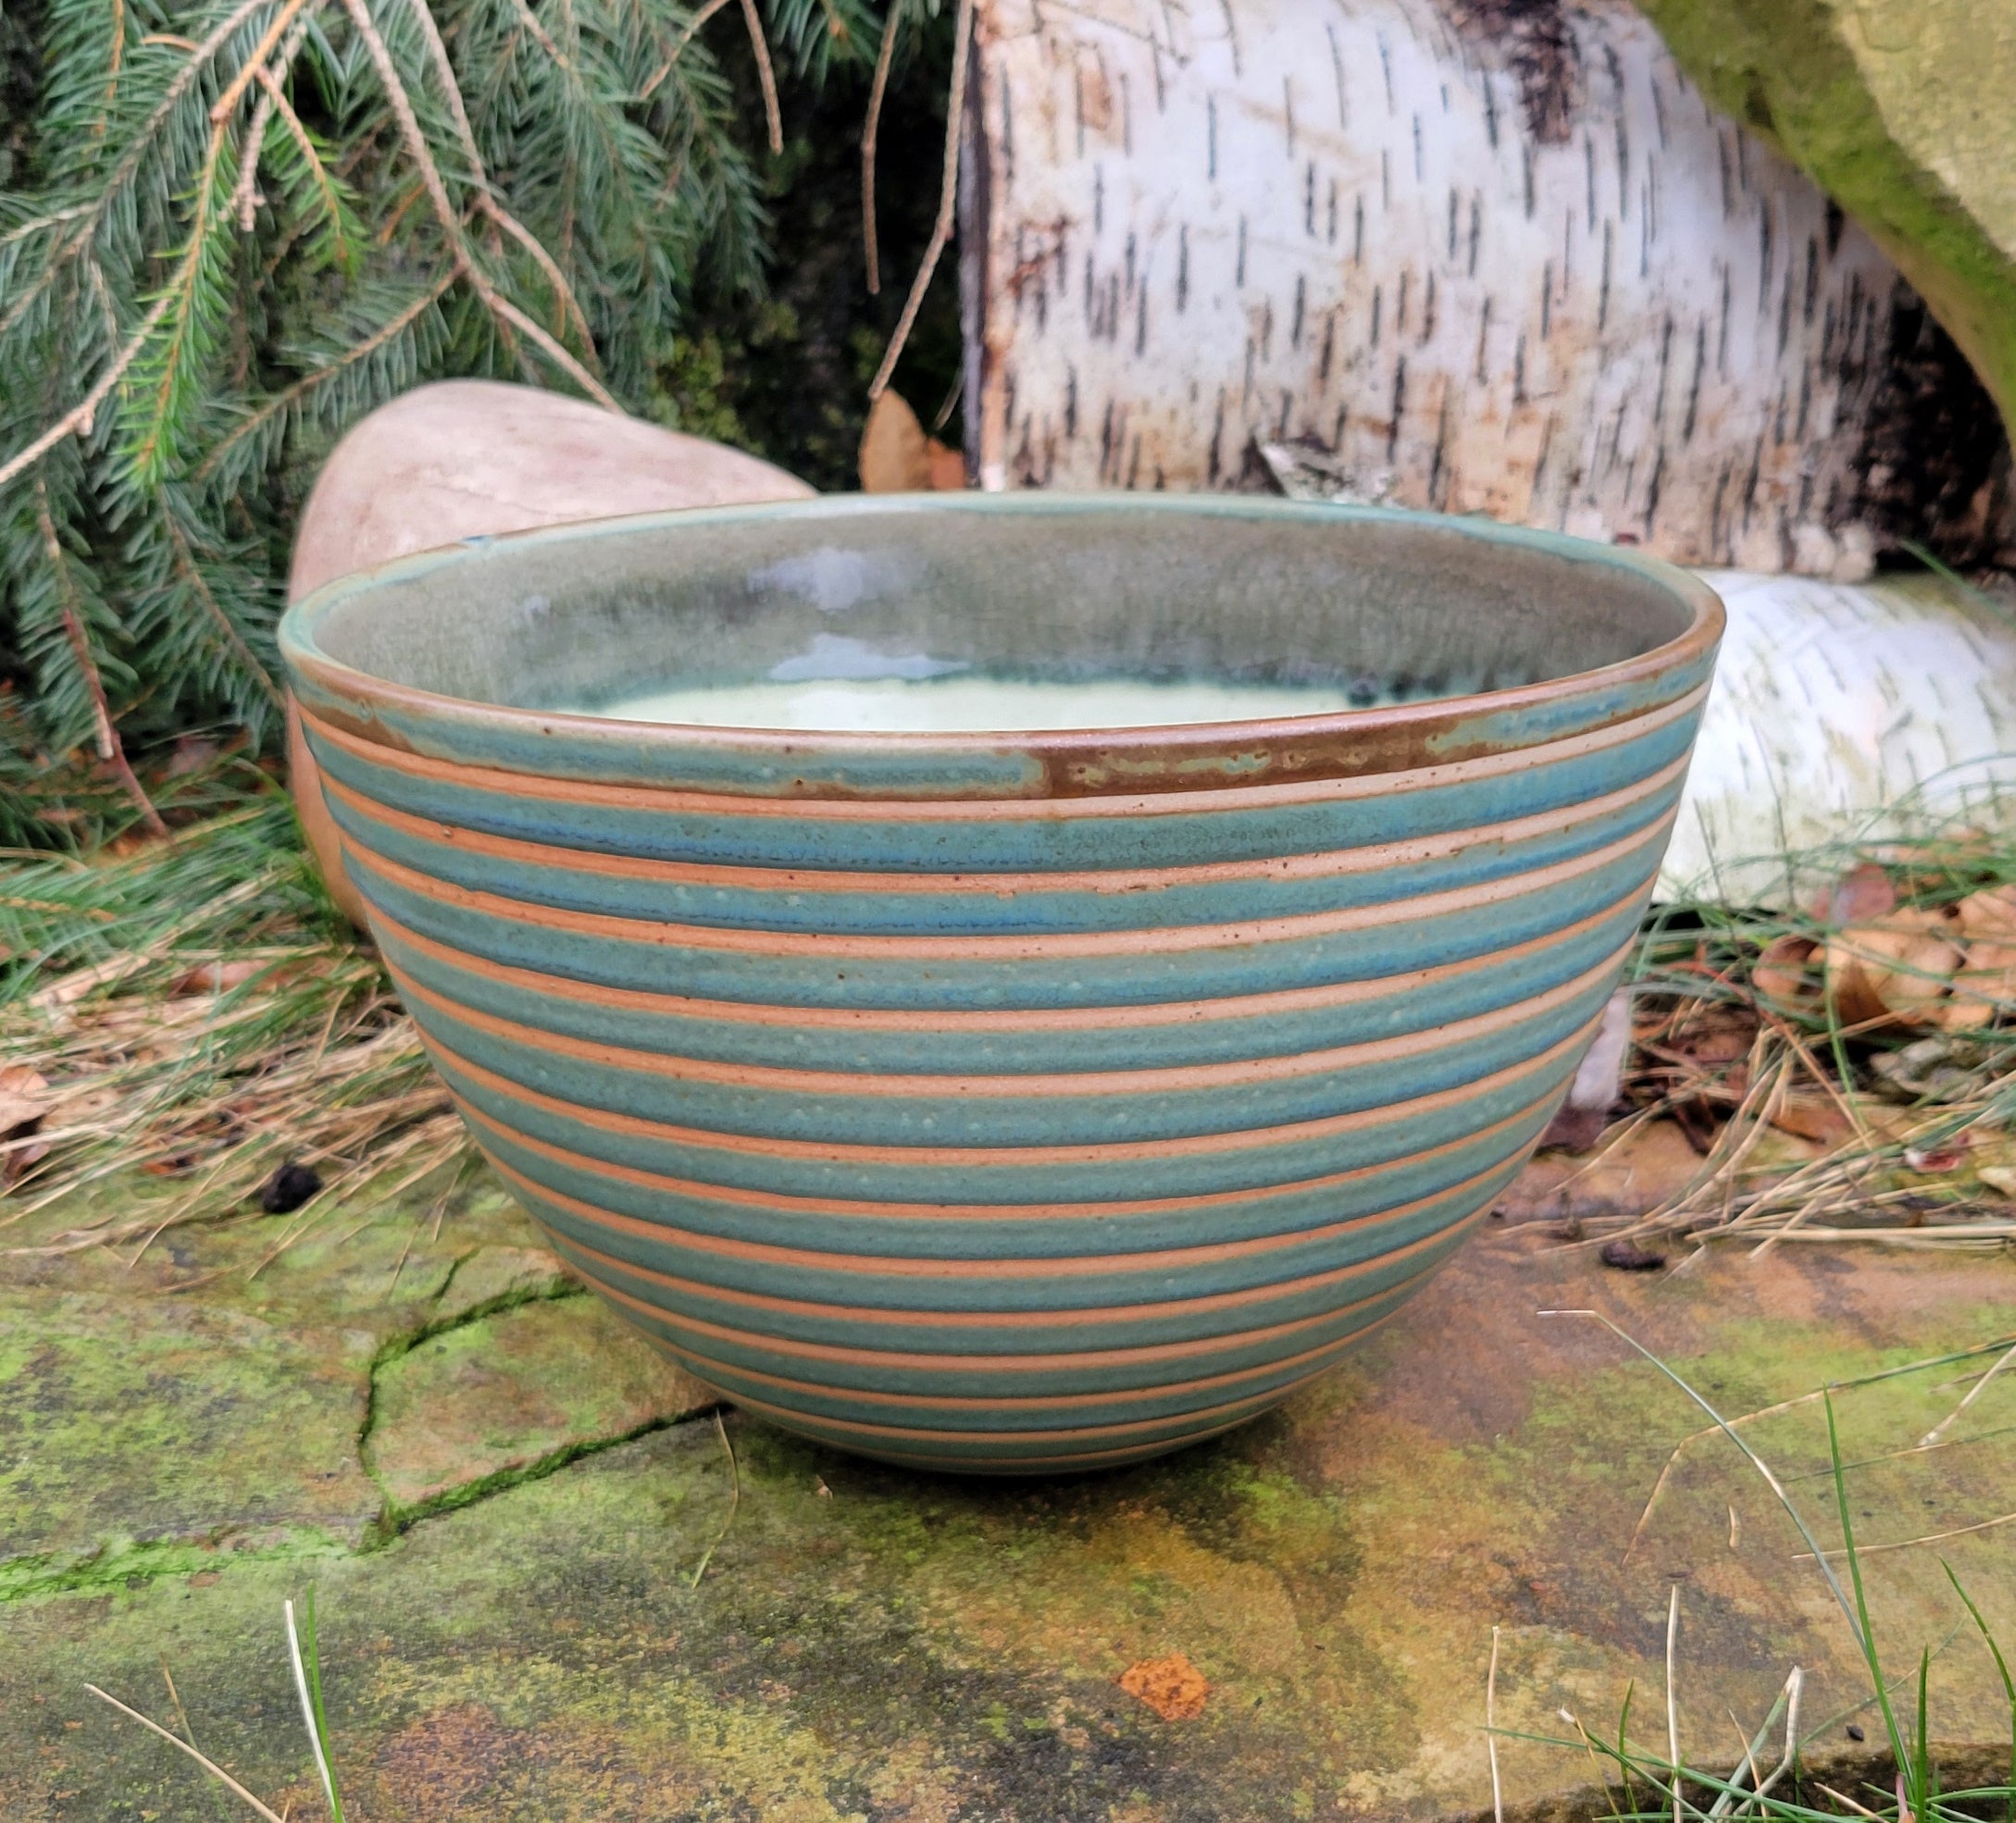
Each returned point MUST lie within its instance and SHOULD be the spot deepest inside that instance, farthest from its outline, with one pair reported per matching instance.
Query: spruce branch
(110, 747)
(415, 143)
(657, 79)
(80, 419)
(128, 161)
(245, 199)
(185, 563)
(288, 400)
(226, 103)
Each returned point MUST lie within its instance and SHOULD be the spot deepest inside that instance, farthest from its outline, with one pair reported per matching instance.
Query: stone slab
(875, 1644)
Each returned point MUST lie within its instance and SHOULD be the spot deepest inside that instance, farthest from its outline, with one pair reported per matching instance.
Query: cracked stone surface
(868, 1643)
(505, 1393)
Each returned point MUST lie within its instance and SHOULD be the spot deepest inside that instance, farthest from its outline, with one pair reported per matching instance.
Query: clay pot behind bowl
(469, 458)
(1024, 1102)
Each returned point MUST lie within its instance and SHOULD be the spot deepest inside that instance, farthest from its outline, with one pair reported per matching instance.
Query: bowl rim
(1383, 739)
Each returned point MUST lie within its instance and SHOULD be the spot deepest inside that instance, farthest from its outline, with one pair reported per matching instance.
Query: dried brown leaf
(1895, 972)
(1783, 975)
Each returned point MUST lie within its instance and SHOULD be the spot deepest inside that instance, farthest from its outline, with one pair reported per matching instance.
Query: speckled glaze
(1024, 1102)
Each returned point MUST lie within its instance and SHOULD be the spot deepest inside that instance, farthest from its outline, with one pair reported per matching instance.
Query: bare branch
(948, 201)
(757, 44)
(868, 132)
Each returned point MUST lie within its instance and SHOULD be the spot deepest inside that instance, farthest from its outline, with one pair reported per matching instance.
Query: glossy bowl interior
(1007, 1101)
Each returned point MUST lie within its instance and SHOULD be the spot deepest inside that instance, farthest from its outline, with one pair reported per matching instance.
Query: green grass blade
(2001, 1666)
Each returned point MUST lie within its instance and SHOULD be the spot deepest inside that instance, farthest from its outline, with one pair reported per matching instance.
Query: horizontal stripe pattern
(1005, 1133)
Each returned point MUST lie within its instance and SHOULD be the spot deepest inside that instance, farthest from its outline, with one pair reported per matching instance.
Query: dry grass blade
(1490, 1732)
(210, 1018)
(735, 1501)
(208, 1765)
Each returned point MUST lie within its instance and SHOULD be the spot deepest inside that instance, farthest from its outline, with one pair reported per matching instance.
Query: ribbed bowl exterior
(1005, 1133)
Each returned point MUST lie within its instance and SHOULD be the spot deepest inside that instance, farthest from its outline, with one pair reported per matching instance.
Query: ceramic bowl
(1024, 1102)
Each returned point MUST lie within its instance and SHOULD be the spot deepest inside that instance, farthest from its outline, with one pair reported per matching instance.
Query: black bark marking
(1484, 337)
(1213, 462)
(1518, 370)
(1331, 236)
(1721, 157)
(1378, 298)
(1836, 222)
(1546, 298)
(1329, 349)
(1694, 385)
(1764, 256)
(1337, 72)
(1420, 171)
(1532, 40)
(1099, 199)
(1183, 267)
(1602, 294)
(1623, 170)
(1239, 274)
(1932, 441)
(1428, 312)
(1301, 300)
(1812, 279)
(1666, 366)
(1071, 403)
(1399, 304)
(1721, 333)
(1399, 406)
(1309, 200)
(1438, 459)
(1526, 179)
(1477, 231)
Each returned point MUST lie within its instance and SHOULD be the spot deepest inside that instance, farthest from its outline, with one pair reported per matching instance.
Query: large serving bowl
(1021, 1101)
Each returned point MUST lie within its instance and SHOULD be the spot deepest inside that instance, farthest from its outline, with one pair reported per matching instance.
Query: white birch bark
(1842, 714)
(1477, 257)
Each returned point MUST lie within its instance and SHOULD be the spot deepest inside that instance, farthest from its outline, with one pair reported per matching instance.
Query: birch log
(1475, 255)
(1842, 715)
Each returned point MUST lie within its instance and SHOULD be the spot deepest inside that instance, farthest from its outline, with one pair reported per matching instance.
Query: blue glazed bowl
(1022, 1101)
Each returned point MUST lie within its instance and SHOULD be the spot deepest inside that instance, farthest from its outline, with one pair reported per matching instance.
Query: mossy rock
(1899, 109)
